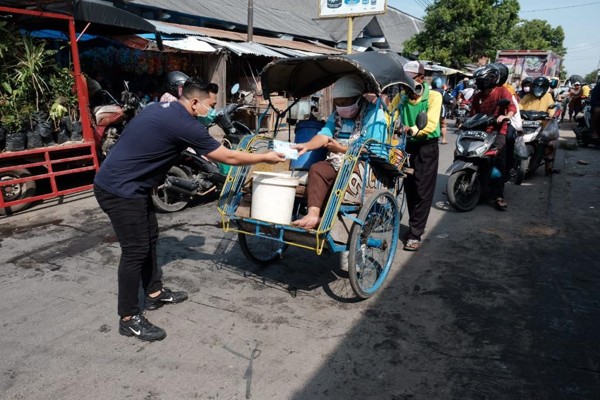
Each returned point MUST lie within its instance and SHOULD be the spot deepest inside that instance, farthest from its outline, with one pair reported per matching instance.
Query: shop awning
(190, 44)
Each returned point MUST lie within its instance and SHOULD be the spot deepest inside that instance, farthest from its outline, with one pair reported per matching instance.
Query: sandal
(501, 204)
(412, 245)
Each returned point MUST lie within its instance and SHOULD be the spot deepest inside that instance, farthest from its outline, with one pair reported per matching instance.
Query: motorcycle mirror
(126, 85)
(235, 88)
(503, 102)
(421, 120)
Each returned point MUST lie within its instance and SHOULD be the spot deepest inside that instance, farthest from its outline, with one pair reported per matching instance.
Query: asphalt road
(495, 305)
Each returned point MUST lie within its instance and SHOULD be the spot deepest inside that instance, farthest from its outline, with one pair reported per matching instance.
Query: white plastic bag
(520, 148)
(550, 131)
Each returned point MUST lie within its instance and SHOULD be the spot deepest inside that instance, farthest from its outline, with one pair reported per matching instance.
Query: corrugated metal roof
(274, 43)
(284, 17)
(240, 48)
(294, 17)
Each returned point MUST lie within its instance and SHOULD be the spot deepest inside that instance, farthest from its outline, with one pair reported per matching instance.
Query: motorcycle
(461, 111)
(533, 127)
(473, 161)
(583, 129)
(194, 175)
(111, 116)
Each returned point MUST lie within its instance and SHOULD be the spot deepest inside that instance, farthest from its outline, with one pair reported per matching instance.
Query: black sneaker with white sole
(141, 328)
(166, 296)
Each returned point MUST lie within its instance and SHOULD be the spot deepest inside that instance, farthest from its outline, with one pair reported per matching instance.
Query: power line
(559, 8)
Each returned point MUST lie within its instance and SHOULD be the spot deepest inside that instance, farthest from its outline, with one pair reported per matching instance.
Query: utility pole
(250, 19)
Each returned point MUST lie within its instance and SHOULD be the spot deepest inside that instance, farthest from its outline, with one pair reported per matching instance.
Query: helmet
(487, 77)
(503, 73)
(540, 86)
(526, 81)
(436, 83)
(174, 82)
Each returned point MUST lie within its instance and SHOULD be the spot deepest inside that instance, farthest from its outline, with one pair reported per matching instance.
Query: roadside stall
(48, 147)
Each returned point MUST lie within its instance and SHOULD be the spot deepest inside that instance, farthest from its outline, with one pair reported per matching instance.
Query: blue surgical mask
(209, 118)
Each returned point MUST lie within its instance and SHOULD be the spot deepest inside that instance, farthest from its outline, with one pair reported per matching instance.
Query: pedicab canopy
(303, 76)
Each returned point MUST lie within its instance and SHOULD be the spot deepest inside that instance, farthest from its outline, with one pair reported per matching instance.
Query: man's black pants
(420, 186)
(136, 227)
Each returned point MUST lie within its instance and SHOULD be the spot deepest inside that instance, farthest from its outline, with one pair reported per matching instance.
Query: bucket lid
(276, 178)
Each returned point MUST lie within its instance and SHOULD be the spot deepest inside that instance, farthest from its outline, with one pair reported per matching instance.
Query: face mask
(209, 118)
(348, 111)
(526, 89)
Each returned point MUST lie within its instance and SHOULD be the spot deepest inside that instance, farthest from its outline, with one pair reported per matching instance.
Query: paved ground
(494, 306)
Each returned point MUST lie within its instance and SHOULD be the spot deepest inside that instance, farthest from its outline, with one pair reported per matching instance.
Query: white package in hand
(279, 146)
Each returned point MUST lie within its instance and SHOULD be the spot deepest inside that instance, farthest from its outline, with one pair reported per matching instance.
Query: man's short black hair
(196, 87)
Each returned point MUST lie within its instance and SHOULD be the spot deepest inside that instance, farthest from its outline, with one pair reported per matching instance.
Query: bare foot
(310, 220)
(307, 222)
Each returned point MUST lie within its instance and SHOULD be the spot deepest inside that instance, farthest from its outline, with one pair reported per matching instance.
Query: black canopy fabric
(104, 17)
(303, 76)
(105, 14)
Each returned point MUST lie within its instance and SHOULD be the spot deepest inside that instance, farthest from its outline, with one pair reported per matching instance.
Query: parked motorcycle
(474, 158)
(583, 129)
(111, 116)
(533, 127)
(194, 175)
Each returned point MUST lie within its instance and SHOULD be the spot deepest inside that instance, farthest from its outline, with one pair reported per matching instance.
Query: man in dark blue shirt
(149, 146)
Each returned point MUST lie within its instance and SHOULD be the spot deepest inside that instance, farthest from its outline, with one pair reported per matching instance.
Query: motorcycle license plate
(531, 124)
(474, 135)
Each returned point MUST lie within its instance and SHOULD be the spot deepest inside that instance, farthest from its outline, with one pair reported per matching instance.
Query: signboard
(350, 8)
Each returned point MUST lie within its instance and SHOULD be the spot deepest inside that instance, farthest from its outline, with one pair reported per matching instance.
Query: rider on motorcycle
(540, 100)
(174, 86)
(485, 101)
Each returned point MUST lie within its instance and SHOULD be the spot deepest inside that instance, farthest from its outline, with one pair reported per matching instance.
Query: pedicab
(362, 215)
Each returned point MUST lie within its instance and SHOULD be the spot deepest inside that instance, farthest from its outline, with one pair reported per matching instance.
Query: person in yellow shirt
(540, 100)
(585, 91)
(422, 145)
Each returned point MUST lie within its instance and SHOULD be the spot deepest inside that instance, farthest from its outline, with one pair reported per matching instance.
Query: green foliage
(537, 34)
(459, 32)
(592, 77)
(30, 80)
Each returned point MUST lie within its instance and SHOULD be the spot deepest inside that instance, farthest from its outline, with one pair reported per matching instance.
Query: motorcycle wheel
(521, 170)
(169, 201)
(261, 251)
(17, 191)
(461, 194)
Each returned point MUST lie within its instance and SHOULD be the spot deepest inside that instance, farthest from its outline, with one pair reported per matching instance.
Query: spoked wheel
(373, 243)
(463, 195)
(167, 200)
(261, 251)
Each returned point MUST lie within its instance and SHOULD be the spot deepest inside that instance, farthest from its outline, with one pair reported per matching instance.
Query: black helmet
(486, 77)
(526, 81)
(540, 86)
(436, 83)
(503, 73)
(175, 81)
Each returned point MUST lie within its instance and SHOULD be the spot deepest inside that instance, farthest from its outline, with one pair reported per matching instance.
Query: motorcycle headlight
(459, 148)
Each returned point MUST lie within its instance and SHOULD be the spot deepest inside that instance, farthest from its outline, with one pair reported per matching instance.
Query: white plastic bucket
(273, 197)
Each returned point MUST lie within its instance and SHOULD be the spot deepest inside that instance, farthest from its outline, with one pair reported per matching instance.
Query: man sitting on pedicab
(354, 117)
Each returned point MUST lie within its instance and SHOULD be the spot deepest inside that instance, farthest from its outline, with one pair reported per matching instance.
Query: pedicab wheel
(261, 251)
(373, 243)
(463, 195)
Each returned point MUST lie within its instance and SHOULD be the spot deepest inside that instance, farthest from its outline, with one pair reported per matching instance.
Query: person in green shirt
(422, 145)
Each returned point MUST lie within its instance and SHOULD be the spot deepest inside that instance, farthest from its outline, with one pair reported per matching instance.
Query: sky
(578, 18)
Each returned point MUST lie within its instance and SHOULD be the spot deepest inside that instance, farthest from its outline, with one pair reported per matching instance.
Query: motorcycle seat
(531, 115)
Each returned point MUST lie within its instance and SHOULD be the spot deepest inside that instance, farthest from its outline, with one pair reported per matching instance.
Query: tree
(459, 32)
(592, 77)
(537, 34)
